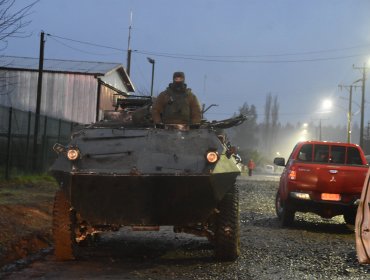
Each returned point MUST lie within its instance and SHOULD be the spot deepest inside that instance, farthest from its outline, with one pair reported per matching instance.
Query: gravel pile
(313, 248)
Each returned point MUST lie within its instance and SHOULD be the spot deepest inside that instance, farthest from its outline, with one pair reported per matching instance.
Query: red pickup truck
(325, 178)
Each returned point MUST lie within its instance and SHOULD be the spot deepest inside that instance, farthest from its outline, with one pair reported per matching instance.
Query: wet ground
(311, 249)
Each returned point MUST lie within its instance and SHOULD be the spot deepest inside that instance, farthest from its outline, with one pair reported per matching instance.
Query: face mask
(178, 85)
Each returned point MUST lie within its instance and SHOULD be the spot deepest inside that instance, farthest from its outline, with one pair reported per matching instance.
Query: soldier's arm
(158, 107)
(196, 111)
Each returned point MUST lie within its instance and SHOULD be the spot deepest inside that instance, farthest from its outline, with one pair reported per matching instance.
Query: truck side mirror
(279, 161)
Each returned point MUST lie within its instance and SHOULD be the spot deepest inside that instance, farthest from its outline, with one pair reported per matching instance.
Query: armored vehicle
(124, 171)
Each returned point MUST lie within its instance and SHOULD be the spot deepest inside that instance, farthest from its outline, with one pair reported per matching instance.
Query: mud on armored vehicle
(125, 172)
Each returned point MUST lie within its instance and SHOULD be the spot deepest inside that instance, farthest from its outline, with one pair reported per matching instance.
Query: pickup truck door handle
(333, 171)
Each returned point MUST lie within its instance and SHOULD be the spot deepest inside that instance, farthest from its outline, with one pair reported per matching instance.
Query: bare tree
(268, 110)
(274, 121)
(275, 112)
(13, 20)
(270, 122)
(267, 133)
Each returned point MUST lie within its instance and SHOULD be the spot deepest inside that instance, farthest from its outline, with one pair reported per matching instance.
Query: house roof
(58, 65)
(65, 66)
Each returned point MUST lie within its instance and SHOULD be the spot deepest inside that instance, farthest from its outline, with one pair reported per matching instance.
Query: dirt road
(312, 249)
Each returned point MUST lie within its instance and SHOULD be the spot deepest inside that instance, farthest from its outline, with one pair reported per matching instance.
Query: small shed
(76, 91)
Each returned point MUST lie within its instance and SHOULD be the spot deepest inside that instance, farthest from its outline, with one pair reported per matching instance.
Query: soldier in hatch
(177, 104)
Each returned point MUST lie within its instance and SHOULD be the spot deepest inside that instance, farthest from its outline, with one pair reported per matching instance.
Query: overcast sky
(232, 51)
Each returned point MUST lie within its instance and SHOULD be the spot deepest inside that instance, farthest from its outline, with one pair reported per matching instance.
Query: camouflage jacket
(176, 107)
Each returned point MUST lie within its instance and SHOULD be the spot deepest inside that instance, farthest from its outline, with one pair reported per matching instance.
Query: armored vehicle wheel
(63, 228)
(286, 216)
(227, 235)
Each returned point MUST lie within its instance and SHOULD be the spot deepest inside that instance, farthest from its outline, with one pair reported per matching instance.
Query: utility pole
(349, 113)
(320, 127)
(364, 70)
(38, 100)
(128, 66)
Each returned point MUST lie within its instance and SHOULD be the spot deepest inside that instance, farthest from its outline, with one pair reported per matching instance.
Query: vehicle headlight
(212, 157)
(73, 154)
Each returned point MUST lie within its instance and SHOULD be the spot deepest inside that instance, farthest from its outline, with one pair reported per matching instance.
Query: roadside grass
(27, 190)
(26, 204)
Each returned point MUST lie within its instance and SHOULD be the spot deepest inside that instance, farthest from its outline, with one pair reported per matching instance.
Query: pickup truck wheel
(227, 235)
(63, 228)
(286, 216)
(350, 217)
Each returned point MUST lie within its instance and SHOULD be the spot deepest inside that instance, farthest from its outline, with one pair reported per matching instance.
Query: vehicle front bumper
(146, 199)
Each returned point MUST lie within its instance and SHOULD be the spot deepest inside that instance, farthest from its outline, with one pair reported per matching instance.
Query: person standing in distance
(177, 104)
(251, 167)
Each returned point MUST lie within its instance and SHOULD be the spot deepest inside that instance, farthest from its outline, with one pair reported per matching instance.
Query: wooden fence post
(8, 150)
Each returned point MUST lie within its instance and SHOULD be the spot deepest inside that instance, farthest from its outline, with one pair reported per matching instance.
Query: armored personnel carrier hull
(112, 176)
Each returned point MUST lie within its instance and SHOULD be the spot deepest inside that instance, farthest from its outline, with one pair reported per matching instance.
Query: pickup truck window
(321, 153)
(338, 154)
(305, 154)
(353, 156)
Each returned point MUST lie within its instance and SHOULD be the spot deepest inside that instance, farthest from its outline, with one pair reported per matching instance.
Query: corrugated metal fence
(18, 154)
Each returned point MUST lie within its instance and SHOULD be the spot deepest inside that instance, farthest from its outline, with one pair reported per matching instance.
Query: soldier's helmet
(178, 75)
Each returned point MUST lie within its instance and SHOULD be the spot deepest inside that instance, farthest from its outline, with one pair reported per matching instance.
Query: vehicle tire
(350, 217)
(63, 228)
(285, 215)
(227, 235)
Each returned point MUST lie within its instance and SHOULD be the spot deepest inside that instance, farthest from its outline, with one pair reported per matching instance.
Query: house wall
(113, 79)
(67, 96)
(108, 97)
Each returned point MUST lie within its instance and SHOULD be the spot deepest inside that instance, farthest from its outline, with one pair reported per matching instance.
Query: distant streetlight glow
(327, 104)
(303, 132)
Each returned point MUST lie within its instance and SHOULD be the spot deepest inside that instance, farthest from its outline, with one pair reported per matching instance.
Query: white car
(269, 169)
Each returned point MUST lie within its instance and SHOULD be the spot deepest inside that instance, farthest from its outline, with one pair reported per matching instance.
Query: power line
(261, 55)
(250, 61)
(79, 50)
(85, 43)
(209, 58)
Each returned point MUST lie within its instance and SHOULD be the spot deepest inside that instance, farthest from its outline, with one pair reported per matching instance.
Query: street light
(363, 80)
(349, 116)
(152, 62)
(327, 104)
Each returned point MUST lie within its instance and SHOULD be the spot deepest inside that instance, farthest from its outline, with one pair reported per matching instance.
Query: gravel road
(313, 248)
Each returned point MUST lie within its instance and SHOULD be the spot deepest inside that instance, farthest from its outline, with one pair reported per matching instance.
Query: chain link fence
(21, 151)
